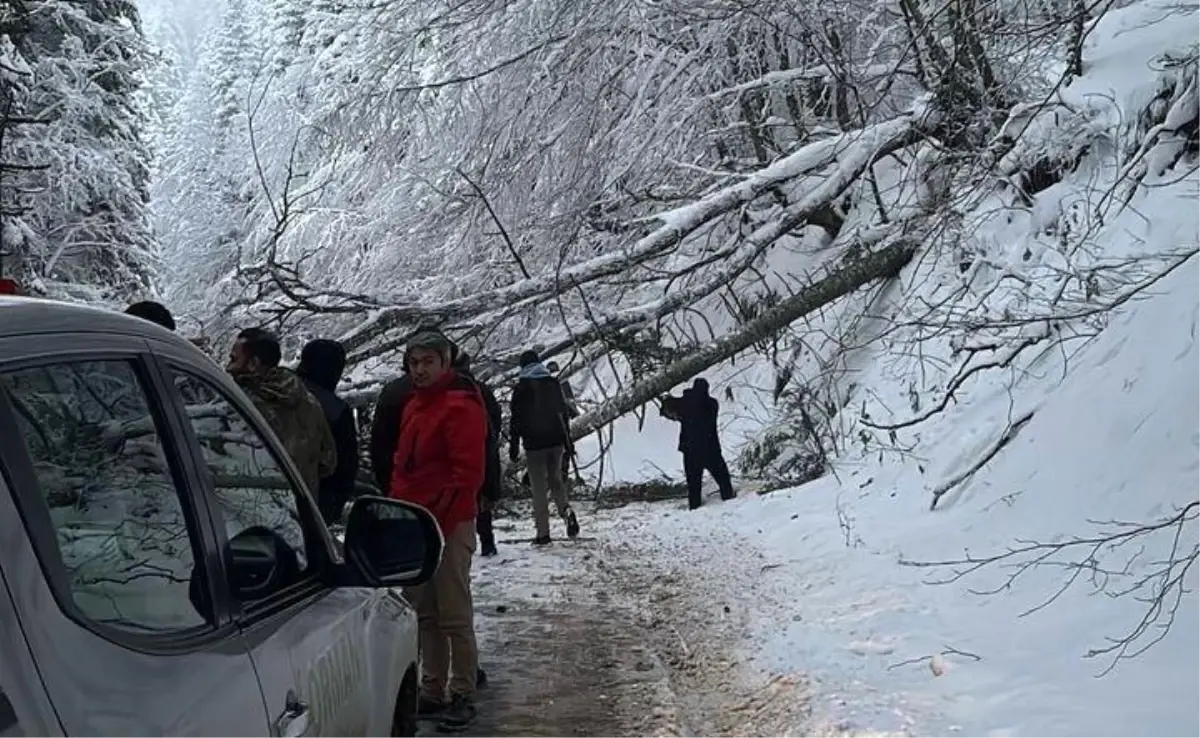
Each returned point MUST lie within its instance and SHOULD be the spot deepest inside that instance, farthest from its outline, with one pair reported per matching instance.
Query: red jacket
(440, 458)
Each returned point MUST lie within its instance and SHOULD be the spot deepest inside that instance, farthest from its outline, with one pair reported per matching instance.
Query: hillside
(894, 370)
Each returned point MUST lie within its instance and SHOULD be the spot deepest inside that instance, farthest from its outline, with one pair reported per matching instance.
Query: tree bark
(882, 264)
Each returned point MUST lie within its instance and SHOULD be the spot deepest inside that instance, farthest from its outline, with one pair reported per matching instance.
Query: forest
(641, 190)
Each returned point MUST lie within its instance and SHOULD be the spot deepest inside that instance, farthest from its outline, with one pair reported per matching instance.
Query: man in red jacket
(440, 463)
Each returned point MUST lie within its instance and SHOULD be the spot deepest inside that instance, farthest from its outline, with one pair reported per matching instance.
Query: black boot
(429, 707)
(572, 524)
(480, 678)
(487, 537)
(458, 716)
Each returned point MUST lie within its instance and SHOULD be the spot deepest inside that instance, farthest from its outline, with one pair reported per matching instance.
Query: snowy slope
(1118, 440)
(1107, 428)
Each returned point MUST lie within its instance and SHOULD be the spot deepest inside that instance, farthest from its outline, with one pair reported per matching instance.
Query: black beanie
(529, 357)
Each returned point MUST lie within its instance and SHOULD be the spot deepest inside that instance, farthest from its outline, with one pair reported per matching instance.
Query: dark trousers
(331, 506)
(490, 491)
(695, 464)
(483, 528)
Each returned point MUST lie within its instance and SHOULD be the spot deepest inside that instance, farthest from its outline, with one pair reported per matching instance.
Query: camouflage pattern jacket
(297, 418)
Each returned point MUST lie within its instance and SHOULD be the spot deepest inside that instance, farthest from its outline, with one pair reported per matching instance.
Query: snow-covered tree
(206, 179)
(597, 175)
(76, 188)
(287, 26)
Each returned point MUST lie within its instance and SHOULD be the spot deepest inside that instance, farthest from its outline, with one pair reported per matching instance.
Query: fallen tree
(736, 257)
(841, 281)
(850, 154)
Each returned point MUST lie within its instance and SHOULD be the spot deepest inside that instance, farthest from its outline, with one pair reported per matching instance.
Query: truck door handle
(295, 720)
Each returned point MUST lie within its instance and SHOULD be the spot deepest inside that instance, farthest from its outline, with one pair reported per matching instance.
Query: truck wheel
(404, 718)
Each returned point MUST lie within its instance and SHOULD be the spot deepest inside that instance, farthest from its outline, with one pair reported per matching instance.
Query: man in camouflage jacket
(290, 409)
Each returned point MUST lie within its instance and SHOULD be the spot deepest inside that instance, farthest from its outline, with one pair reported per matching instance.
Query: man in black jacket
(699, 440)
(540, 421)
(321, 365)
(491, 481)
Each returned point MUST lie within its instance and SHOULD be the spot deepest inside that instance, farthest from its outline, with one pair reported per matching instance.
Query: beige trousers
(446, 620)
(546, 479)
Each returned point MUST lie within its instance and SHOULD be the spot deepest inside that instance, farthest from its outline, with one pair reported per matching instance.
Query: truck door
(307, 641)
(25, 708)
(109, 564)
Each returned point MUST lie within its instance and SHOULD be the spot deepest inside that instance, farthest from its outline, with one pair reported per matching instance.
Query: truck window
(250, 484)
(110, 493)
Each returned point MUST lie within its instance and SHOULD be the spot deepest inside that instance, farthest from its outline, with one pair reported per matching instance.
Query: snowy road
(588, 637)
(563, 656)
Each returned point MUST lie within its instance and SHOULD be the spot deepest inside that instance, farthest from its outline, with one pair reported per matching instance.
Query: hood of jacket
(323, 361)
(536, 370)
(277, 386)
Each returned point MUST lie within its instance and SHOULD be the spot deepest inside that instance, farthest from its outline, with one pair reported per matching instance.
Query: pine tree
(207, 178)
(15, 173)
(76, 217)
(232, 65)
(287, 23)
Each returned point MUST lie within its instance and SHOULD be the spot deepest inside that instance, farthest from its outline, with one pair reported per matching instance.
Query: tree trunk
(882, 264)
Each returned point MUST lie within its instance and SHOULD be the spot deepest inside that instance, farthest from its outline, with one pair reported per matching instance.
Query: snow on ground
(595, 637)
(798, 611)
(558, 648)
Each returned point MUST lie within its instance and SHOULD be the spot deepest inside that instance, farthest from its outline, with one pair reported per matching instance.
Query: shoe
(428, 707)
(480, 678)
(458, 716)
(541, 541)
(488, 551)
(572, 524)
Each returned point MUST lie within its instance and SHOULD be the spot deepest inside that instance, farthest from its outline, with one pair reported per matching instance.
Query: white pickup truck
(163, 570)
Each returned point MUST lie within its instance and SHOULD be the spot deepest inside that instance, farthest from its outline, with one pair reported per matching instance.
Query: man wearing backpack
(539, 420)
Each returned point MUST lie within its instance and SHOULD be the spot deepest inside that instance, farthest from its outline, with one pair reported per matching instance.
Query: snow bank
(1098, 423)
